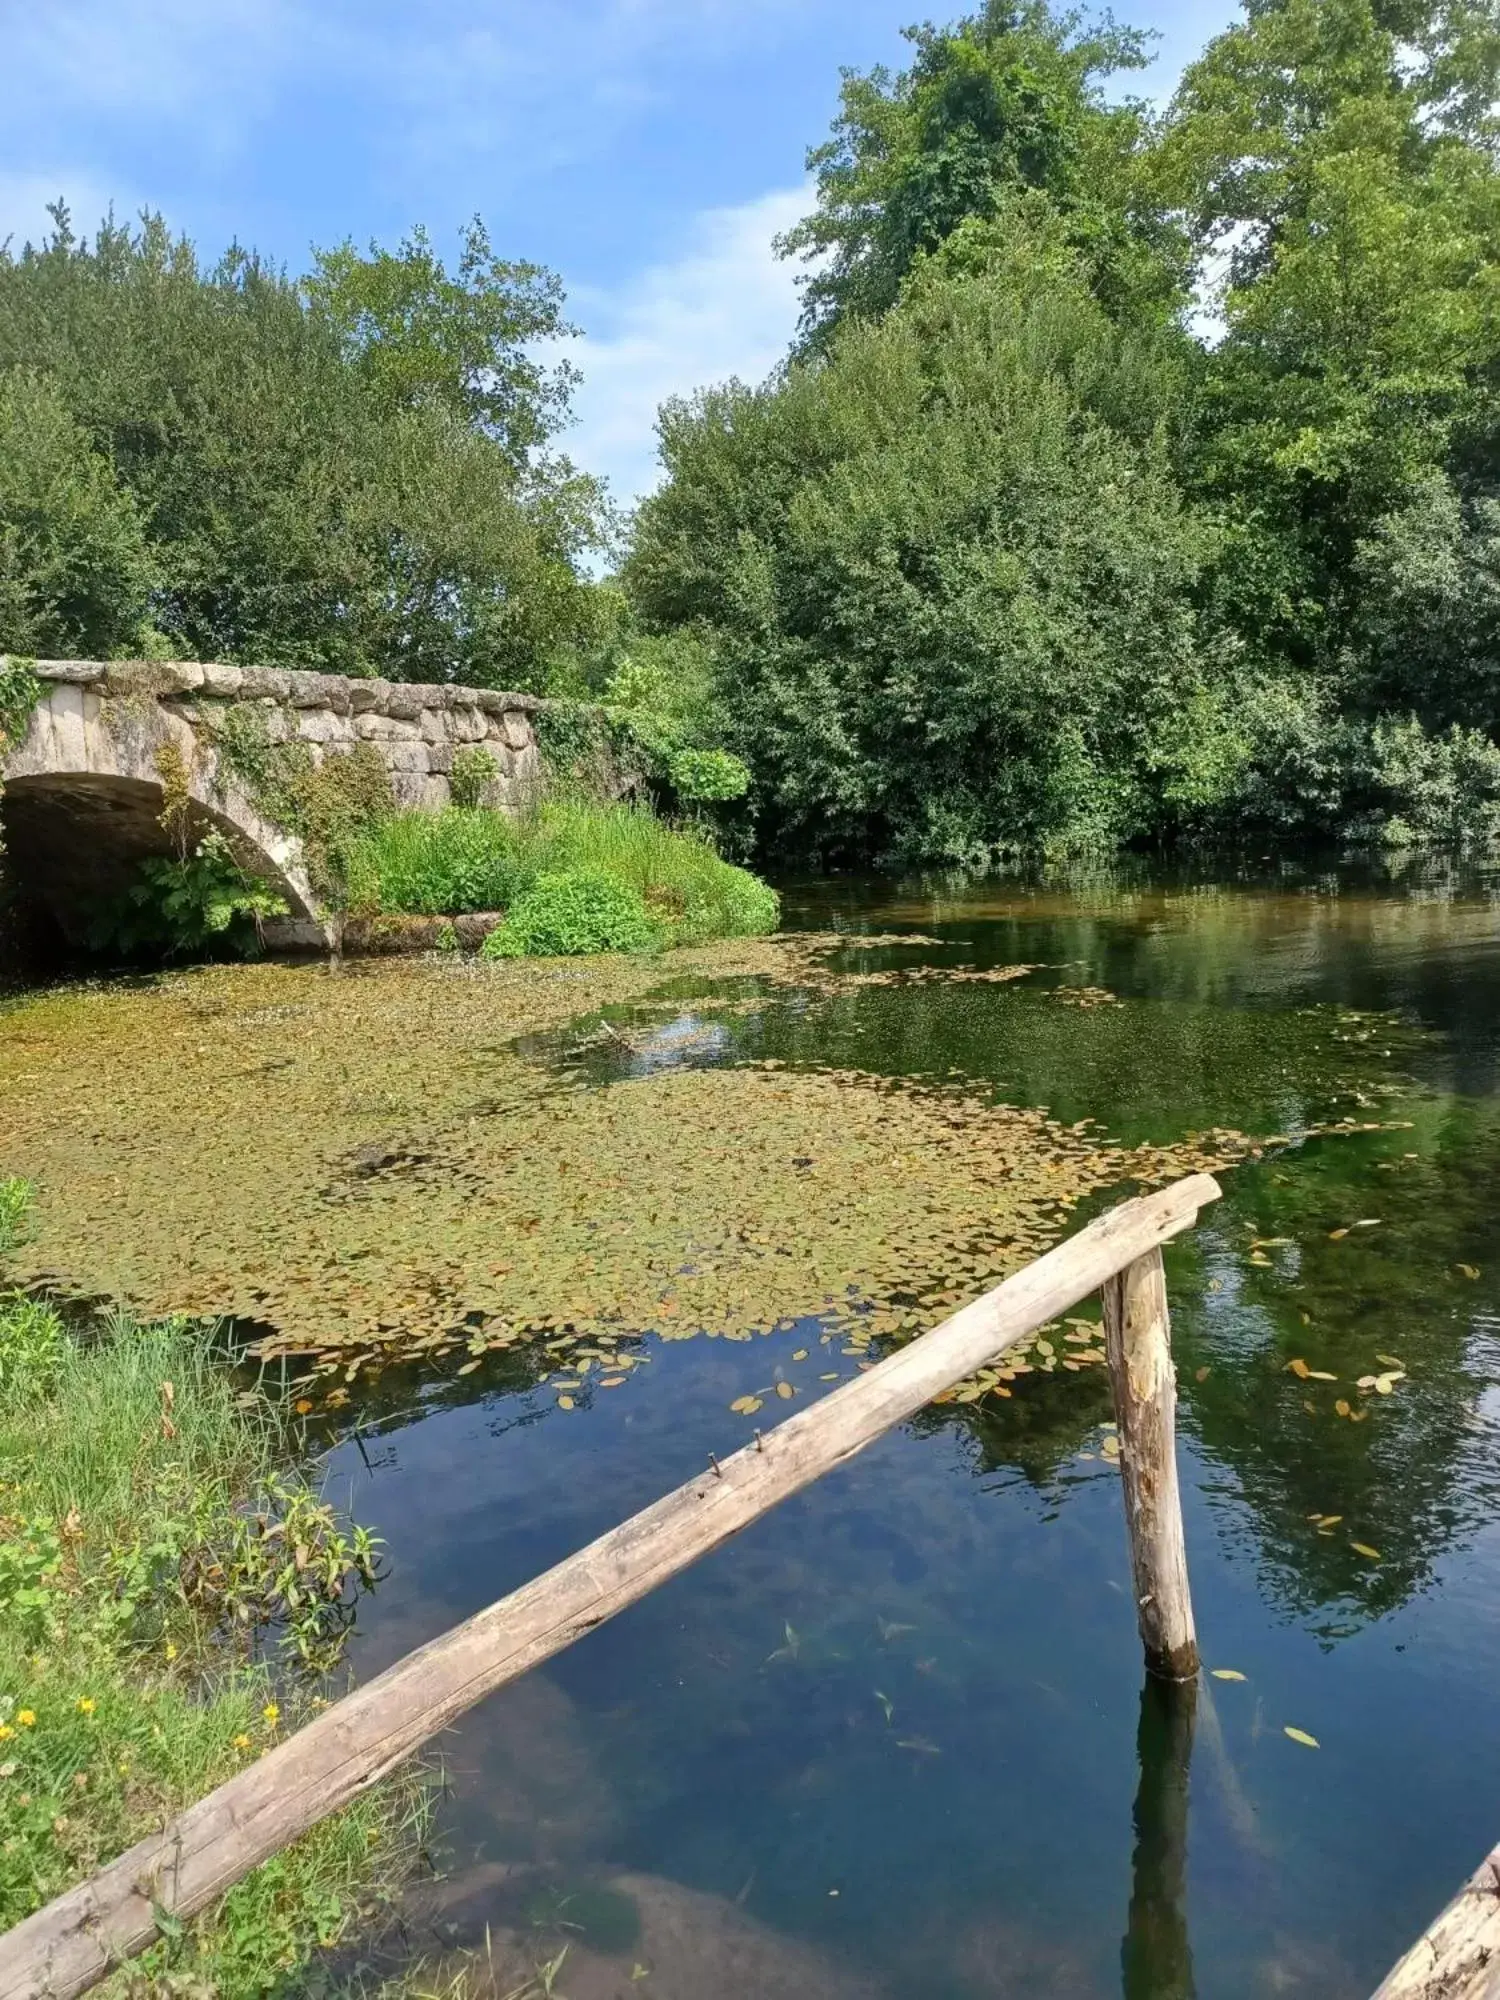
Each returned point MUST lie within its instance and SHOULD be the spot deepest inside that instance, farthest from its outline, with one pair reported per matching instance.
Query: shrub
(474, 771)
(708, 775)
(434, 864)
(575, 911)
(691, 891)
(184, 906)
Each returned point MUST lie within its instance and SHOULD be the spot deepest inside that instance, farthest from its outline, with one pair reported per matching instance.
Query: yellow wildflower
(85, 1704)
(6, 1732)
(26, 1719)
(242, 1742)
(272, 1713)
(171, 1650)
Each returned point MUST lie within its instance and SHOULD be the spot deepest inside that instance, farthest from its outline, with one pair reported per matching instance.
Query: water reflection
(1156, 1959)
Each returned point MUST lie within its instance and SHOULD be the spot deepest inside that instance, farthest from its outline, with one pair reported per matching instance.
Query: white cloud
(727, 306)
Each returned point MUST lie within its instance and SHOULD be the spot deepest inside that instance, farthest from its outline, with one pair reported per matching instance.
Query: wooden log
(1458, 1956)
(1138, 1341)
(72, 1943)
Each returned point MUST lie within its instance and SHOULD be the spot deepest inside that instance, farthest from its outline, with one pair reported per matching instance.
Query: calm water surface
(901, 1721)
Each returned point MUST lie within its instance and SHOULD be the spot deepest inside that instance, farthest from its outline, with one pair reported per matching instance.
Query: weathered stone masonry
(83, 791)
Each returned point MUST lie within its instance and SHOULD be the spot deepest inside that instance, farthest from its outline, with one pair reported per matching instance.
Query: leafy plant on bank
(573, 912)
(150, 1527)
(463, 860)
(182, 906)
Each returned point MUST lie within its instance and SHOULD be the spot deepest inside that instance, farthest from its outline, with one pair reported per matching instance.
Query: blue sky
(648, 150)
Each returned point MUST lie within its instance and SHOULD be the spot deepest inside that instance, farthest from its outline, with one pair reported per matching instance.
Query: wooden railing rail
(78, 1938)
(1457, 1957)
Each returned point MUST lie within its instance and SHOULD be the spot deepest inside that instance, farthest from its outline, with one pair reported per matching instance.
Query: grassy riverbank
(151, 1537)
(667, 884)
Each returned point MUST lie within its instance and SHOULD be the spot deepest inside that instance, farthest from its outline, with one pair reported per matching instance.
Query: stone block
(519, 733)
(407, 699)
(420, 790)
(440, 759)
(78, 673)
(385, 729)
(322, 725)
(269, 683)
(406, 757)
(326, 691)
(368, 697)
(433, 723)
(467, 723)
(224, 682)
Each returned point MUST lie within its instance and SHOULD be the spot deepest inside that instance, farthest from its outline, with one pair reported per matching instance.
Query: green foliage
(20, 691)
(464, 342)
(329, 805)
(182, 906)
(445, 864)
(75, 571)
(435, 864)
(1016, 555)
(709, 775)
(15, 1203)
(947, 570)
(151, 1528)
(1005, 102)
(570, 913)
(691, 893)
(341, 476)
(474, 772)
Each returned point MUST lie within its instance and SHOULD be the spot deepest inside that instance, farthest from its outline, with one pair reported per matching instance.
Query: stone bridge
(84, 789)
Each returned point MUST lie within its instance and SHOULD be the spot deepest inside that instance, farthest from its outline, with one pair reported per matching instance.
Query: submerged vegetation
(472, 1198)
(152, 1534)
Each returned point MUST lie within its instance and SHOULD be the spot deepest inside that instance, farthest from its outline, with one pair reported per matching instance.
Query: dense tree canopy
(347, 474)
(1133, 477)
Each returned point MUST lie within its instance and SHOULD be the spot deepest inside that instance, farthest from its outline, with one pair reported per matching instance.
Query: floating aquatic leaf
(1320, 1375)
(1364, 1549)
(565, 1403)
(800, 1355)
(1342, 1407)
(1336, 1235)
(785, 1391)
(1301, 1736)
(1389, 1360)
(1468, 1270)
(1299, 1368)
(468, 1368)
(886, 1703)
(1200, 1374)
(1226, 1673)
(743, 1406)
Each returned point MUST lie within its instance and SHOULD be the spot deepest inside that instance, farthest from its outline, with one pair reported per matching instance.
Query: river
(894, 1740)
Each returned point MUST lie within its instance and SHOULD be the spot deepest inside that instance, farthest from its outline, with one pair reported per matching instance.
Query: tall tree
(320, 489)
(1005, 101)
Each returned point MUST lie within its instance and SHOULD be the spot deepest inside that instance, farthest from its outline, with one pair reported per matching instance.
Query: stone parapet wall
(415, 726)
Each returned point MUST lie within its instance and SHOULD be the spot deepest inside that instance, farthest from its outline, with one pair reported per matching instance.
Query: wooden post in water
(1138, 1340)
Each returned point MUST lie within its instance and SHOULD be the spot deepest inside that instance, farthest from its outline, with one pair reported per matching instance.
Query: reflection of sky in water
(918, 1684)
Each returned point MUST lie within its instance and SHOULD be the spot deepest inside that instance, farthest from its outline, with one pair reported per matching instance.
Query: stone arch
(82, 804)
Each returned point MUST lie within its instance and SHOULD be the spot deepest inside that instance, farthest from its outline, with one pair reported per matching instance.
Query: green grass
(146, 1513)
(470, 859)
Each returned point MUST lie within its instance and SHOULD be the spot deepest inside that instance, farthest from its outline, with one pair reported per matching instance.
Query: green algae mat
(389, 1161)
